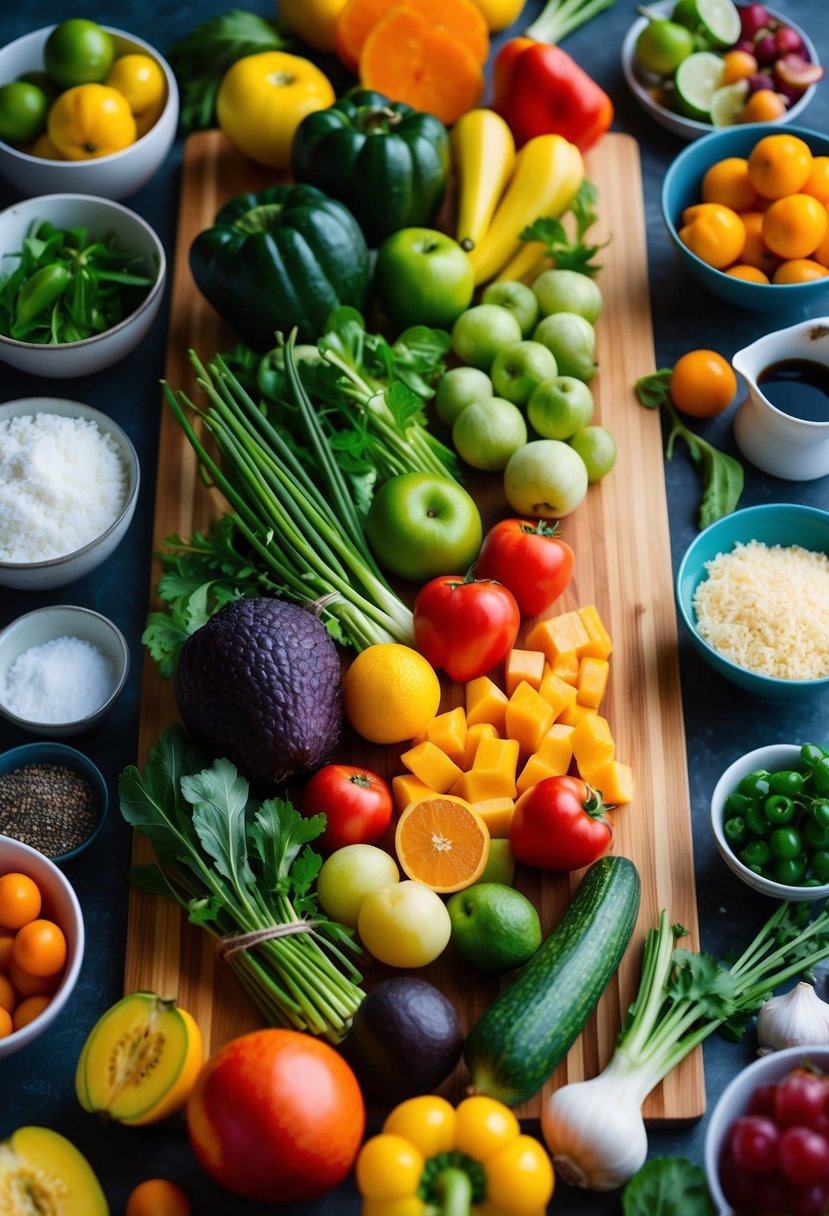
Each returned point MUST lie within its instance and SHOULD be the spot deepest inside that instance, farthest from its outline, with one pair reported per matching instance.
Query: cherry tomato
(40, 948)
(357, 805)
(465, 626)
(804, 1155)
(157, 1197)
(19, 900)
(529, 558)
(559, 824)
(754, 1142)
(800, 1099)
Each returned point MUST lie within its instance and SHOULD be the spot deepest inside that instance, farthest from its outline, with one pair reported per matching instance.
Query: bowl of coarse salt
(69, 479)
(753, 592)
(62, 669)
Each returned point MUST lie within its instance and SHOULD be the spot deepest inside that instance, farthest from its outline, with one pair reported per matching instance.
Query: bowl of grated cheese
(753, 592)
(69, 479)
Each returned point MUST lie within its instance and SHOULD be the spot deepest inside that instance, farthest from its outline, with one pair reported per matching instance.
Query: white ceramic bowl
(100, 216)
(60, 903)
(64, 621)
(58, 571)
(772, 757)
(688, 128)
(115, 176)
(733, 1102)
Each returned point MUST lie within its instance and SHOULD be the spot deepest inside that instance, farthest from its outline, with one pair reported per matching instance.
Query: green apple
(559, 407)
(545, 479)
(518, 298)
(517, 370)
(494, 927)
(420, 525)
(572, 340)
(597, 448)
(568, 291)
(423, 277)
(480, 332)
(487, 433)
(458, 388)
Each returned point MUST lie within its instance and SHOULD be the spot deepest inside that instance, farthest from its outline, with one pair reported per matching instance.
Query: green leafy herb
(667, 1186)
(570, 253)
(240, 866)
(721, 475)
(201, 59)
(558, 18)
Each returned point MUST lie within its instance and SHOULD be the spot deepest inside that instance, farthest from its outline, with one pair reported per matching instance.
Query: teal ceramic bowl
(772, 524)
(682, 187)
(48, 752)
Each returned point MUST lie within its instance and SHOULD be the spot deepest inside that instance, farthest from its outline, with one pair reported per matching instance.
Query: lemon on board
(390, 693)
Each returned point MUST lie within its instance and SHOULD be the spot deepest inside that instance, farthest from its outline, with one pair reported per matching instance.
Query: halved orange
(442, 842)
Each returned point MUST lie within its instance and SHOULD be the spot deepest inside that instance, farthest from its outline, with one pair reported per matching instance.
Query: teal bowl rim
(46, 751)
(703, 269)
(717, 660)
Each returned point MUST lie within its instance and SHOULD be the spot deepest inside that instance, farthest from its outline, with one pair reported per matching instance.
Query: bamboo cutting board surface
(623, 565)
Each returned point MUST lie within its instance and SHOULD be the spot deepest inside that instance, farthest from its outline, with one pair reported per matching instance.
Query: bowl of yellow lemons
(84, 109)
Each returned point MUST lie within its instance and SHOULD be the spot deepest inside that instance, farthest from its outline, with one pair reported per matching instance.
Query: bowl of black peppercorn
(53, 798)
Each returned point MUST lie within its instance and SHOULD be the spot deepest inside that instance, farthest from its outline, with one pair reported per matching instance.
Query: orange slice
(442, 842)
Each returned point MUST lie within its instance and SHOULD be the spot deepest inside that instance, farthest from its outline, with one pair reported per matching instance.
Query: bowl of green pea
(770, 818)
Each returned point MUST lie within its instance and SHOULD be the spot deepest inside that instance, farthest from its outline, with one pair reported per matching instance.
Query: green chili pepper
(815, 834)
(820, 813)
(39, 294)
(756, 821)
(820, 772)
(736, 804)
(786, 781)
(778, 809)
(810, 753)
(789, 870)
(820, 864)
(735, 831)
(785, 843)
(756, 853)
(755, 785)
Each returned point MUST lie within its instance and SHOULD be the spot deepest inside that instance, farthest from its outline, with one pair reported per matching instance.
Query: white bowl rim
(147, 302)
(759, 508)
(26, 1033)
(692, 124)
(109, 626)
(172, 94)
(133, 468)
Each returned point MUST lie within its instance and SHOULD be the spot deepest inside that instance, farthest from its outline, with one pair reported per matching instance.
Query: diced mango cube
(497, 815)
(521, 665)
(474, 735)
(497, 754)
(448, 732)
(432, 766)
(599, 644)
(557, 692)
(558, 635)
(575, 713)
(614, 780)
(556, 749)
(538, 766)
(592, 742)
(485, 702)
(592, 681)
(566, 667)
(406, 788)
(528, 717)
(480, 784)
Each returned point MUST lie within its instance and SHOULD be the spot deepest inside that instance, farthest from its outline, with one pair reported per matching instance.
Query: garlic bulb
(796, 1019)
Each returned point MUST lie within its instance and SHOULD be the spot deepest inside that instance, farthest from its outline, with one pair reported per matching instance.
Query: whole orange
(702, 383)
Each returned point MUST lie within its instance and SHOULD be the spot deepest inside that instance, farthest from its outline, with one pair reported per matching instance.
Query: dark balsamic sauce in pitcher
(797, 387)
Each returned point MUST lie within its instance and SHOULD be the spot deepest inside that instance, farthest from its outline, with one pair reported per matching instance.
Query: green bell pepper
(387, 162)
(284, 257)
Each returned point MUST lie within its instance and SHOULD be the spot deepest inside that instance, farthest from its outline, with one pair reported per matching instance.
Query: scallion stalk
(559, 18)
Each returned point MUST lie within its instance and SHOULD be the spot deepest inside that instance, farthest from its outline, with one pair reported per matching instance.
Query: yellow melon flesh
(41, 1171)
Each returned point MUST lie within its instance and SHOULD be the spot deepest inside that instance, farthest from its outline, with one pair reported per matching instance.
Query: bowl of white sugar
(62, 668)
(69, 479)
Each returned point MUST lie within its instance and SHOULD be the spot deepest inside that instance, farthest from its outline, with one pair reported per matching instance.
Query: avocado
(259, 683)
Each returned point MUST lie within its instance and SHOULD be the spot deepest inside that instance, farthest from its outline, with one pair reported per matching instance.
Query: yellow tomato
(315, 21)
(140, 79)
(89, 121)
(262, 100)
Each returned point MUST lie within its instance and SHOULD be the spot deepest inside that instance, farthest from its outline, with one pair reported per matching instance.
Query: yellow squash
(483, 152)
(314, 21)
(548, 172)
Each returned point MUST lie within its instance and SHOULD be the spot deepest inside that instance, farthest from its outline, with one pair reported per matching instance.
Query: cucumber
(515, 1046)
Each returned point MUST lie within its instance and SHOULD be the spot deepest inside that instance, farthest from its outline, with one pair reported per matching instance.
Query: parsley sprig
(570, 253)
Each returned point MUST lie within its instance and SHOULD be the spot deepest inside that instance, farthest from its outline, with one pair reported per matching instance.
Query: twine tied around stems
(245, 941)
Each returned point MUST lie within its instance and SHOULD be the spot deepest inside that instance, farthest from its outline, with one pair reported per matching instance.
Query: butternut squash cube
(566, 667)
(480, 784)
(539, 766)
(432, 766)
(592, 742)
(529, 716)
(485, 702)
(521, 665)
(407, 788)
(599, 644)
(497, 815)
(592, 681)
(575, 713)
(474, 735)
(558, 635)
(557, 692)
(614, 780)
(448, 732)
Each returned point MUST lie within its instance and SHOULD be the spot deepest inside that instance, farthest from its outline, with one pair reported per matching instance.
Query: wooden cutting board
(623, 565)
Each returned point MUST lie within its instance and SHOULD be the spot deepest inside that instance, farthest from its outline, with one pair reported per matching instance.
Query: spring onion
(559, 18)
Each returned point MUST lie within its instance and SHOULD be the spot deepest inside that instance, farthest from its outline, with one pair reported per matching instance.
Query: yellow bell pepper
(473, 1160)
(90, 120)
(314, 21)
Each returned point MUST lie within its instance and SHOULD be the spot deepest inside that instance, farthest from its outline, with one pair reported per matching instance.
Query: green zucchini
(518, 1042)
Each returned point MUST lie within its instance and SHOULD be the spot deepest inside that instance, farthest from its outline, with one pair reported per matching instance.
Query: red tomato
(530, 559)
(465, 625)
(559, 824)
(357, 805)
(276, 1116)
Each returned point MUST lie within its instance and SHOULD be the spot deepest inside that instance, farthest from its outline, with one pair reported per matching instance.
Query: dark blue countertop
(36, 1084)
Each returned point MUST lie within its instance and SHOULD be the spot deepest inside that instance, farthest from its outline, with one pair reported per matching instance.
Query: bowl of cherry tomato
(766, 1144)
(770, 819)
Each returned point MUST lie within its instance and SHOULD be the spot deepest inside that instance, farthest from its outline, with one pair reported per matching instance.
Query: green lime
(728, 103)
(23, 109)
(494, 927)
(662, 46)
(718, 21)
(78, 52)
(696, 81)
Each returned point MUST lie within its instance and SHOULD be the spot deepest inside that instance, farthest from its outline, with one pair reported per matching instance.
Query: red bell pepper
(541, 90)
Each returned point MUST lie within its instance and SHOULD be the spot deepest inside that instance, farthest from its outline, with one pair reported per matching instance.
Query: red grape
(804, 1155)
(754, 1141)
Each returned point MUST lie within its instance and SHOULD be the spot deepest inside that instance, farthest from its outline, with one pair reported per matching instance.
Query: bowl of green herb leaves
(81, 283)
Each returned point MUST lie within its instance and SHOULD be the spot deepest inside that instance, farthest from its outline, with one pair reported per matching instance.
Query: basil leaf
(667, 1186)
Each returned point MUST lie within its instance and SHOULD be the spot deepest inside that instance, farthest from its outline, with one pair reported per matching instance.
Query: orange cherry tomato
(40, 948)
(29, 1009)
(19, 900)
(157, 1197)
(702, 384)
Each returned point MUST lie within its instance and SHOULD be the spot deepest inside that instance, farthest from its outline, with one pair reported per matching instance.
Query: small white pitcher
(777, 443)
